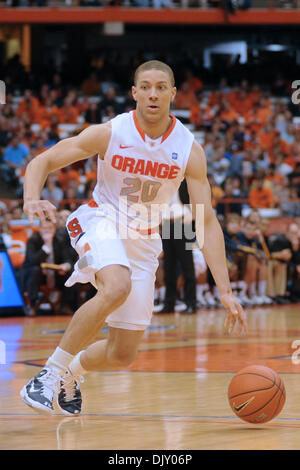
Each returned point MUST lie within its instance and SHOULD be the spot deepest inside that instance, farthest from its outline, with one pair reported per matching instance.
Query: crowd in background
(252, 142)
(230, 5)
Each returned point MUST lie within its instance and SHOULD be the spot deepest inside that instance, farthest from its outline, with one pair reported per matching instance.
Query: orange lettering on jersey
(173, 172)
(140, 167)
(145, 167)
(163, 170)
(151, 168)
(128, 164)
(117, 161)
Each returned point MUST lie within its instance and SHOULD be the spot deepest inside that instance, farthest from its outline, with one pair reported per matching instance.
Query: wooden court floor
(174, 396)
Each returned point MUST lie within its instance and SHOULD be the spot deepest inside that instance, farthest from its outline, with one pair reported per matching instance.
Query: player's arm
(91, 141)
(213, 247)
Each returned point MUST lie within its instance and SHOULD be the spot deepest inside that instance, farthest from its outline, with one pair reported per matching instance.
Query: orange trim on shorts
(86, 247)
(148, 231)
(92, 203)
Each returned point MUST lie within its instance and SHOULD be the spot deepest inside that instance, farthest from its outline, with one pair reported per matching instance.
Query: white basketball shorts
(98, 244)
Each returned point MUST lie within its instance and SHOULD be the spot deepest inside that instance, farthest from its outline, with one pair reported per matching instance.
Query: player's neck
(154, 130)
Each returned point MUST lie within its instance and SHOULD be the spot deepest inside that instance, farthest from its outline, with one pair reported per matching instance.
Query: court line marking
(28, 363)
(277, 422)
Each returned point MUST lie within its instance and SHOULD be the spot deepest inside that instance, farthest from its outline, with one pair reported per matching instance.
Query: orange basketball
(256, 394)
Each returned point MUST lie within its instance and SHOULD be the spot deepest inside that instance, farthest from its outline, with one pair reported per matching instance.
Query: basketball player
(143, 157)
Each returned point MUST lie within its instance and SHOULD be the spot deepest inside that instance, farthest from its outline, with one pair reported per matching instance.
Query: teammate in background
(143, 157)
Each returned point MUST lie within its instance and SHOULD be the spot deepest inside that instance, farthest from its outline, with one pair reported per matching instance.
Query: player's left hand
(235, 314)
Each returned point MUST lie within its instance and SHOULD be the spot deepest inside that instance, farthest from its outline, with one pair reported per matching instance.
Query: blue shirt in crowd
(16, 155)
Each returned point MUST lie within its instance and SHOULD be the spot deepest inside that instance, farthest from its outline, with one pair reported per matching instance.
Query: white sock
(242, 286)
(75, 366)
(162, 293)
(252, 289)
(262, 287)
(59, 360)
(199, 289)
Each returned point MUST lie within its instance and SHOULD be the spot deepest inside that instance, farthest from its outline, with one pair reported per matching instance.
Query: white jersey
(139, 175)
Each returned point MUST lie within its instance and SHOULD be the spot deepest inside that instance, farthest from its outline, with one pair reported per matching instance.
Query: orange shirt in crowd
(276, 179)
(28, 108)
(65, 177)
(185, 99)
(265, 139)
(90, 87)
(242, 106)
(91, 175)
(68, 115)
(261, 198)
(216, 97)
(229, 115)
(44, 114)
(264, 114)
(195, 83)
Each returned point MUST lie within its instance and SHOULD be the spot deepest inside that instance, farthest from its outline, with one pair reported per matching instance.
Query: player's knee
(122, 357)
(116, 288)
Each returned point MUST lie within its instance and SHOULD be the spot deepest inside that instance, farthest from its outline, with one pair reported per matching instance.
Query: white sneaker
(180, 306)
(267, 300)
(69, 399)
(201, 301)
(158, 307)
(210, 300)
(244, 300)
(40, 391)
(257, 300)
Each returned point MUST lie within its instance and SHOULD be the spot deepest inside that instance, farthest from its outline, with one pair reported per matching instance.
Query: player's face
(153, 93)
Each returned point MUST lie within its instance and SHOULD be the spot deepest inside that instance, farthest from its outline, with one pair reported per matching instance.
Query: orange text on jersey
(145, 167)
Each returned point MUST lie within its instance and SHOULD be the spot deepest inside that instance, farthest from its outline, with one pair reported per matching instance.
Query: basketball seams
(265, 404)
(258, 389)
(282, 390)
(278, 397)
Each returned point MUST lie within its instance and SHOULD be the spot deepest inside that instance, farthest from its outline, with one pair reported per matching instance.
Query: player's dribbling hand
(40, 208)
(235, 315)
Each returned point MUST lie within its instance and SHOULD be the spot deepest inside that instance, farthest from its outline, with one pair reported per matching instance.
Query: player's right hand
(40, 208)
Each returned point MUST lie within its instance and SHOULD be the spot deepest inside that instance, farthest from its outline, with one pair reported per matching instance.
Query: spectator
(280, 255)
(28, 106)
(93, 114)
(110, 101)
(236, 253)
(260, 196)
(294, 265)
(68, 113)
(178, 258)
(15, 156)
(294, 178)
(185, 98)
(91, 85)
(256, 264)
(51, 246)
(52, 191)
(67, 174)
(291, 207)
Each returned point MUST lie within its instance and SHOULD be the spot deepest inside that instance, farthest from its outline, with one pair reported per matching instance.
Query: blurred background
(67, 65)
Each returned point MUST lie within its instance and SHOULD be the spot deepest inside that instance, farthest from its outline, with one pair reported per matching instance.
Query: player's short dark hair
(157, 65)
